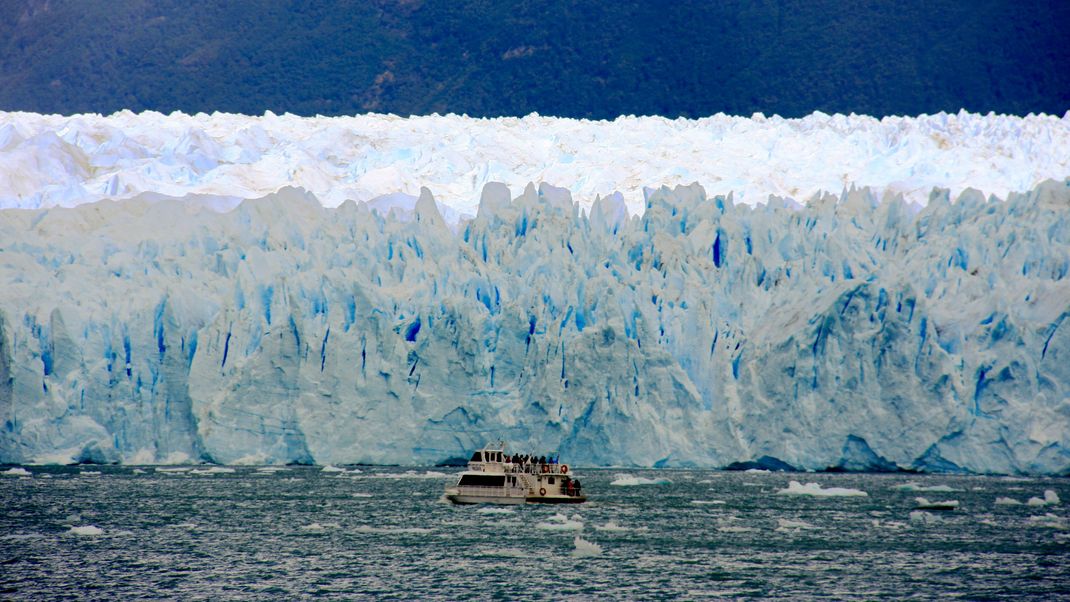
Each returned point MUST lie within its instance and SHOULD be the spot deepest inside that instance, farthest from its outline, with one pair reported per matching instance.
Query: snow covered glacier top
(52, 160)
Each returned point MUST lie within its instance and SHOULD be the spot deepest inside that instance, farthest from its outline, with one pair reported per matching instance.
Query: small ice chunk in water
(813, 489)
(707, 502)
(785, 524)
(332, 468)
(213, 470)
(627, 480)
(924, 504)
(1050, 499)
(912, 486)
(17, 471)
(87, 530)
(492, 510)
(1007, 501)
(1049, 521)
(611, 527)
(560, 522)
(923, 517)
(584, 548)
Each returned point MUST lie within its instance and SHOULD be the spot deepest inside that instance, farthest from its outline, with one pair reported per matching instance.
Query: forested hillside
(583, 59)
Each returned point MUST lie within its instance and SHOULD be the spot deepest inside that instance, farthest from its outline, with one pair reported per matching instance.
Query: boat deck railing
(511, 468)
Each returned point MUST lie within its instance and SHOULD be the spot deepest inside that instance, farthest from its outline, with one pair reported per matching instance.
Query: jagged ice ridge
(847, 333)
(54, 160)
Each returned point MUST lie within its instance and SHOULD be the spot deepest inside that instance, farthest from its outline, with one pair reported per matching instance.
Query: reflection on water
(386, 533)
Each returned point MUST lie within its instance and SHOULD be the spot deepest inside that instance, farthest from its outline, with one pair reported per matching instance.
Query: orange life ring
(564, 469)
(542, 491)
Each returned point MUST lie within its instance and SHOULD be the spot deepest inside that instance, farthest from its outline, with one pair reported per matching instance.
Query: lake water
(385, 533)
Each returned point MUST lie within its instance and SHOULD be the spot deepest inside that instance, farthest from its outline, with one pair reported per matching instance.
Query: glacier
(857, 332)
(221, 159)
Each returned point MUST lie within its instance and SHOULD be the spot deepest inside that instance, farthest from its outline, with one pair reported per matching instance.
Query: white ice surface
(912, 486)
(561, 522)
(787, 524)
(816, 490)
(926, 504)
(1050, 499)
(53, 160)
(627, 480)
(584, 549)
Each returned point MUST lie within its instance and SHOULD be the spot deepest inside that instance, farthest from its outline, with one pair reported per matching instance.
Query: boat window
(477, 457)
(481, 480)
(551, 481)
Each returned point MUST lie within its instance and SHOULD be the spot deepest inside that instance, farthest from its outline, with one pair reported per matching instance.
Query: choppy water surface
(385, 533)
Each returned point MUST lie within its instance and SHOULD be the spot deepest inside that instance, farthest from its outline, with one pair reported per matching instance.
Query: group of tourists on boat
(530, 460)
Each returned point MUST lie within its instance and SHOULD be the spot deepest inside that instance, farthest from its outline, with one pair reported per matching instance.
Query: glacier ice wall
(844, 334)
(54, 160)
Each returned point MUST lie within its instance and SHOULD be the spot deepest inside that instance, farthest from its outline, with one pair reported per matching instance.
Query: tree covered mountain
(593, 58)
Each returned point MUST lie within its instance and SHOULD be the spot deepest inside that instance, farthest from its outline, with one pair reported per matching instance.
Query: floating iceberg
(612, 527)
(626, 480)
(1049, 521)
(214, 470)
(17, 471)
(924, 504)
(912, 486)
(86, 530)
(786, 524)
(815, 490)
(560, 522)
(583, 548)
(1050, 499)
(923, 517)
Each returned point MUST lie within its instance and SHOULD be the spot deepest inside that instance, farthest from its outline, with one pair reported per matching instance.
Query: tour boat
(495, 477)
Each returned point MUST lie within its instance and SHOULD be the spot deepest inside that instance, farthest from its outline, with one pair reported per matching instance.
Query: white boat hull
(459, 497)
(462, 498)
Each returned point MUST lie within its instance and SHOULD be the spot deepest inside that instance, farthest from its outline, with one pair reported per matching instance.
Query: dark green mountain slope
(584, 59)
